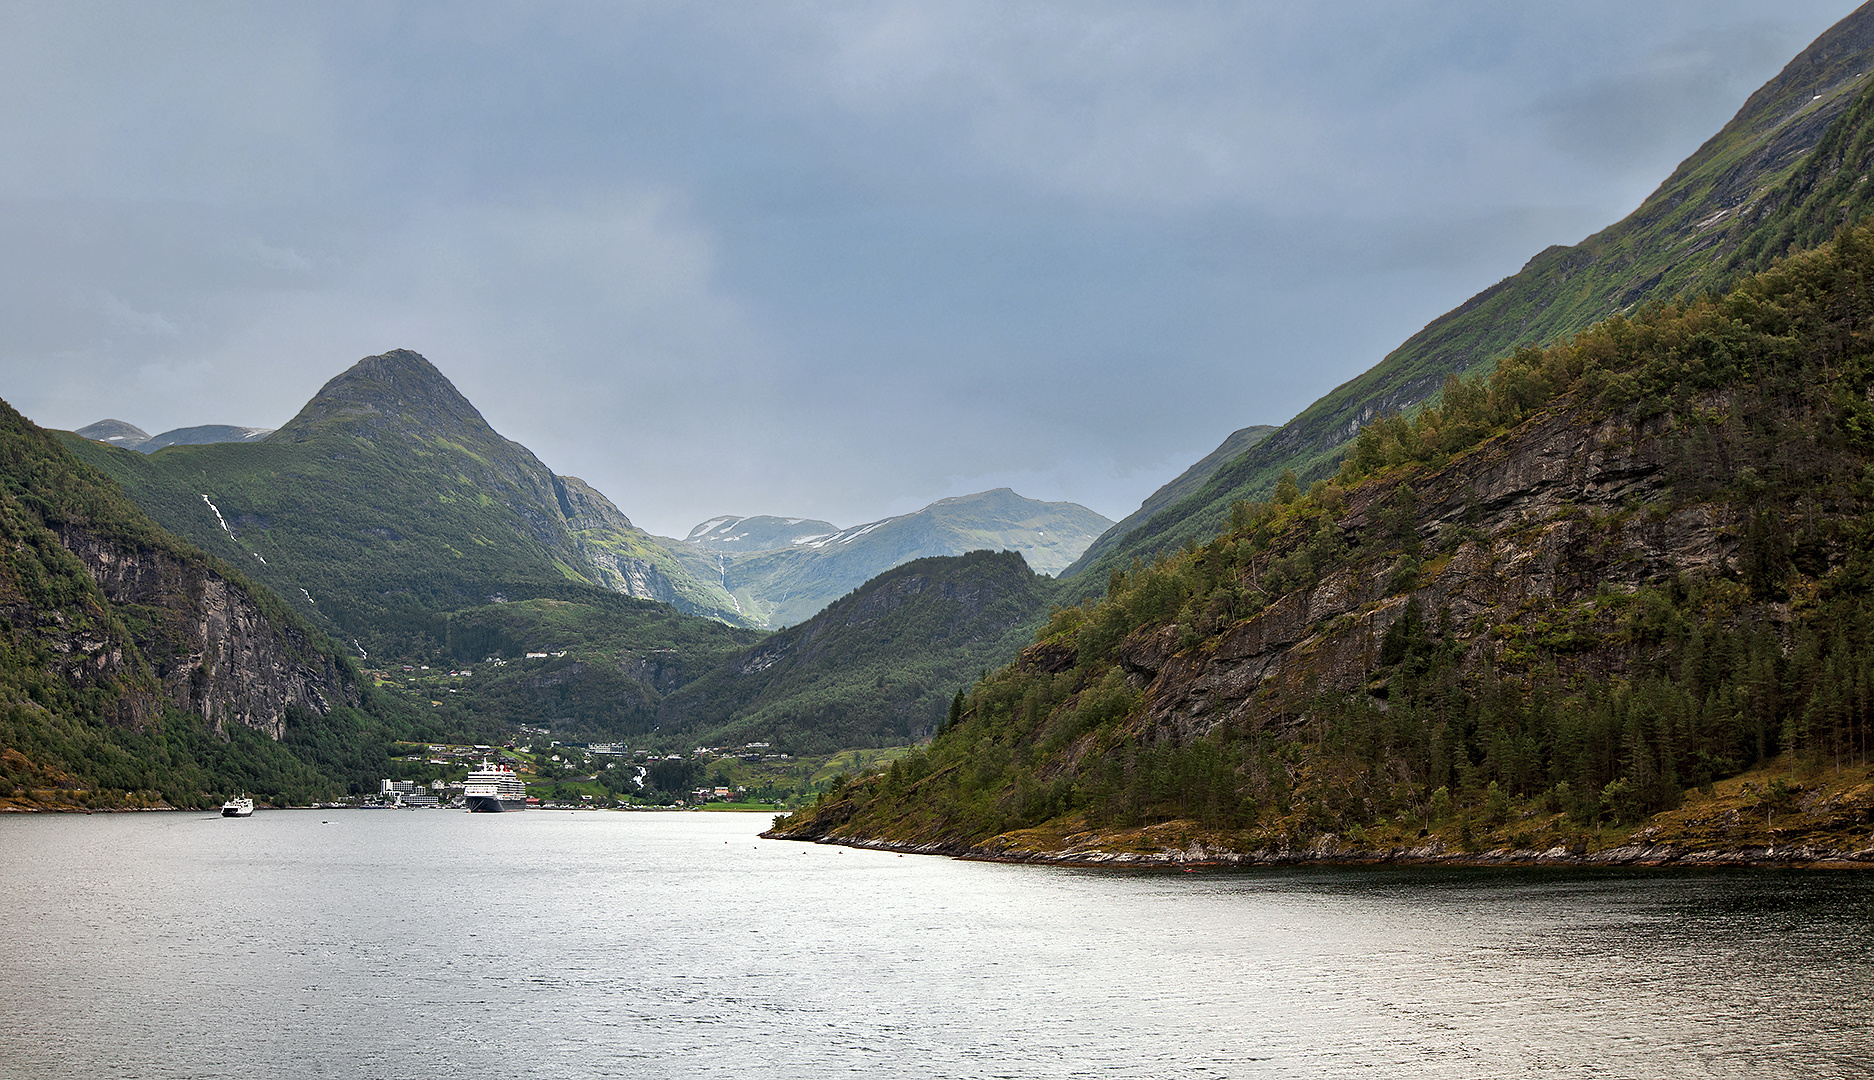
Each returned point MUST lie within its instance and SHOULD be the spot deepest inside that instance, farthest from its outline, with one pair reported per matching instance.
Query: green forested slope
(610, 661)
(135, 669)
(1787, 170)
(392, 515)
(1611, 573)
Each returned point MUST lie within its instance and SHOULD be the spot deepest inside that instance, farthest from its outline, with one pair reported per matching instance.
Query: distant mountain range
(390, 516)
(131, 437)
(783, 570)
(747, 535)
(879, 666)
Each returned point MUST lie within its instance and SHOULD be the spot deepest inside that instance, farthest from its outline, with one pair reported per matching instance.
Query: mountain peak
(395, 392)
(114, 432)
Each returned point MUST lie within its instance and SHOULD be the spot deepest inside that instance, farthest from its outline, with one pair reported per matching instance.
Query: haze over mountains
(390, 514)
(782, 570)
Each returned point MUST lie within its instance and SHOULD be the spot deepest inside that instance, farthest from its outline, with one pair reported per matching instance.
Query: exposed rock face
(607, 540)
(585, 507)
(1538, 522)
(215, 652)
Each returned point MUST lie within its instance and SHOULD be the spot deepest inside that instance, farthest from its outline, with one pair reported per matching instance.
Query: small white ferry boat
(494, 788)
(240, 806)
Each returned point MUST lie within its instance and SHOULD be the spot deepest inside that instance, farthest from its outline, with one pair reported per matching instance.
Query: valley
(925, 539)
(1585, 553)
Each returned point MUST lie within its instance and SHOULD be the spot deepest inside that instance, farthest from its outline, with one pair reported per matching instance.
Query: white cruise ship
(494, 788)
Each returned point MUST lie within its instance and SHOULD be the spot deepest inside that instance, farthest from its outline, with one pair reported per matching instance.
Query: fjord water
(544, 944)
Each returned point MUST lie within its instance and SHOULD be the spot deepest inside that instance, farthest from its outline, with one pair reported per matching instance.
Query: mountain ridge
(131, 437)
(1780, 172)
(390, 495)
(809, 568)
(876, 667)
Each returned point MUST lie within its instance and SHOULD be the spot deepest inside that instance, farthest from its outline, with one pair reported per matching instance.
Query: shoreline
(1651, 856)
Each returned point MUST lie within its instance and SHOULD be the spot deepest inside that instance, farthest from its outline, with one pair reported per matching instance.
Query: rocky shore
(1435, 853)
(1774, 816)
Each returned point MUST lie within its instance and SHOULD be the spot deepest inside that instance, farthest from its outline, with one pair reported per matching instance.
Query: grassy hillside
(1190, 480)
(1582, 589)
(1785, 171)
(388, 501)
(609, 662)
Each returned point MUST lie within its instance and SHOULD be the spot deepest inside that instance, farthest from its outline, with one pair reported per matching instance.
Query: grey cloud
(825, 259)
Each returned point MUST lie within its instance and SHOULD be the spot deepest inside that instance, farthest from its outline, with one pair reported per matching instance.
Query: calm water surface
(543, 944)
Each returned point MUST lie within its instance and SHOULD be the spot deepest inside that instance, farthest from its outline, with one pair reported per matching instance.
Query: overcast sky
(832, 259)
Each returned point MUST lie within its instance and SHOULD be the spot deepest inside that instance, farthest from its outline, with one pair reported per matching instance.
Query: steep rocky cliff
(209, 642)
(629, 560)
(1545, 519)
